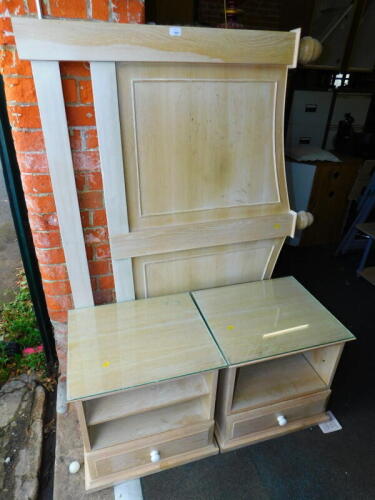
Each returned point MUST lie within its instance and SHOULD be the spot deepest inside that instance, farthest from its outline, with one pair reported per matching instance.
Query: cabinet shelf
(142, 400)
(146, 424)
(281, 379)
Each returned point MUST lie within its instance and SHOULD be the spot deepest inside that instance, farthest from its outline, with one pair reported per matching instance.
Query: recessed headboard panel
(190, 129)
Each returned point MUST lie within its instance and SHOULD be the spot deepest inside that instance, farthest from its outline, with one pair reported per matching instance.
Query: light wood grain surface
(141, 457)
(104, 86)
(301, 422)
(266, 417)
(183, 448)
(212, 143)
(209, 136)
(128, 344)
(201, 268)
(56, 137)
(325, 360)
(87, 41)
(202, 235)
(277, 380)
(213, 126)
(146, 424)
(140, 400)
(254, 321)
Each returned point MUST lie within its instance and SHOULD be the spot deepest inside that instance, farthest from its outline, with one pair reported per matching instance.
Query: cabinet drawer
(121, 460)
(280, 415)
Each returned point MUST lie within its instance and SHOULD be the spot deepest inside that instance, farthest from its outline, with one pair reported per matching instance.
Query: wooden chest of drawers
(282, 348)
(143, 378)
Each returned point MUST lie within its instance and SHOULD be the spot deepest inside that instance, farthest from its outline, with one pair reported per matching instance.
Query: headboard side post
(48, 86)
(104, 83)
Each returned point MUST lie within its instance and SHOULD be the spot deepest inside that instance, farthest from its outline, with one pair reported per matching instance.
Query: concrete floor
(307, 465)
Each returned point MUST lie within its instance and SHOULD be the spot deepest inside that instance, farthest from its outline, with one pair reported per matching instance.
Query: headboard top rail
(61, 40)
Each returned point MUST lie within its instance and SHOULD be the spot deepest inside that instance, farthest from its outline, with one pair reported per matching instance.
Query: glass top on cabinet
(128, 344)
(265, 319)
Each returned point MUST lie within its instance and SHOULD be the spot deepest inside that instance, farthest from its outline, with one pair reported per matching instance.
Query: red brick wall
(29, 144)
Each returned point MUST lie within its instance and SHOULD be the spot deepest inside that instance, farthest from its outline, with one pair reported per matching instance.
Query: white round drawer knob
(155, 456)
(282, 420)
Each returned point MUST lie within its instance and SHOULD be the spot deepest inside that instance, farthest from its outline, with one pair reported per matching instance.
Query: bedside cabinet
(142, 375)
(282, 348)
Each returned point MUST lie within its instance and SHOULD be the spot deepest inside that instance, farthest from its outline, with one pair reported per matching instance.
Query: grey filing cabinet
(308, 118)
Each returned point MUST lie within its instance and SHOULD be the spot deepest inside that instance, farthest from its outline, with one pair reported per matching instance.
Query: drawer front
(280, 417)
(143, 456)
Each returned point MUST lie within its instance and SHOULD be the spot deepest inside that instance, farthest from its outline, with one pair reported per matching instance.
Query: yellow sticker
(105, 364)
(276, 226)
(230, 327)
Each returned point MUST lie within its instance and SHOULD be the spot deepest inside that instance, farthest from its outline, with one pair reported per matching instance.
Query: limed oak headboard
(190, 129)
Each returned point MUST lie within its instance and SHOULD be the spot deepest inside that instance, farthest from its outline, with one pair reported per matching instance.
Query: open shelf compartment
(152, 422)
(269, 382)
(148, 398)
(277, 380)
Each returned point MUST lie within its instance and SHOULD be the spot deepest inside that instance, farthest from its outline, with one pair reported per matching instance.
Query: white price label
(175, 31)
(331, 426)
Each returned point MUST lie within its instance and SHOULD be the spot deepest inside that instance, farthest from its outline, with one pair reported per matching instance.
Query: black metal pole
(21, 223)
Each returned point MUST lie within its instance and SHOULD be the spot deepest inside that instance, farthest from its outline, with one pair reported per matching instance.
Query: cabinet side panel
(325, 361)
(79, 406)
